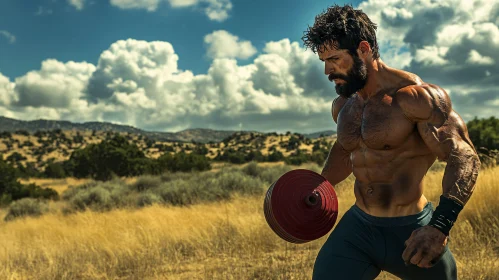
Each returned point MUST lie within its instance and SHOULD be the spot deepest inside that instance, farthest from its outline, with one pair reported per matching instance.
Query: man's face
(348, 72)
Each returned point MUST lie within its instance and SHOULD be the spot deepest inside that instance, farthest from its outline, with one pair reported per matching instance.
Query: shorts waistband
(393, 221)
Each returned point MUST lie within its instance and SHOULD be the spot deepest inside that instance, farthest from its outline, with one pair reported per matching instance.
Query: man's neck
(376, 71)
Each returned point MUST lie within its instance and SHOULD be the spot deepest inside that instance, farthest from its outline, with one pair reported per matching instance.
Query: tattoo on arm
(461, 174)
(446, 135)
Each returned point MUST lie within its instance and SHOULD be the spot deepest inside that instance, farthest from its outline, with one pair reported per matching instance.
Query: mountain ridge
(202, 135)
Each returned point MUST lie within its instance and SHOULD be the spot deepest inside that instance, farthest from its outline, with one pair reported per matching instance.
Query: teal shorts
(361, 246)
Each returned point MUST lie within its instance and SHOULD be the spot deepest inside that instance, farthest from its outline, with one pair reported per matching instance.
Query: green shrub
(297, 159)
(54, 170)
(183, 162)
(26, 207)
(484, 133)
(28, 171)
(178, 188)
(171, 176)
(238, 182)
(148, 198)
(275, 156)
(146, 182)
(71, 191)
(97, 199)
(122, 197)
(270, 175)
(99, 196)
(251, 169)
(15, 157)
(112, 156)
(179, 193)
(11, 189)
(5, 134)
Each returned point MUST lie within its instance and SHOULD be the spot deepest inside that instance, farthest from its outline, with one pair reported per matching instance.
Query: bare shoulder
(336, 107)
(424, 102)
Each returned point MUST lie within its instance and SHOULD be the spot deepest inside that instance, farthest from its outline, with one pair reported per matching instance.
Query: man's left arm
(446, 135)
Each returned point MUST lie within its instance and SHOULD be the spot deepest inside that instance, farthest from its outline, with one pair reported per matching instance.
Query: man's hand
(425, 245)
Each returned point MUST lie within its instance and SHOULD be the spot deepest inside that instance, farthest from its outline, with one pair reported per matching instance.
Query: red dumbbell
(301, 206)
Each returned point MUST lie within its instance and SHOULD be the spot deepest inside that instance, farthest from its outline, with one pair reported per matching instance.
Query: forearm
(337, 166)
(458, 184)
(461, 174)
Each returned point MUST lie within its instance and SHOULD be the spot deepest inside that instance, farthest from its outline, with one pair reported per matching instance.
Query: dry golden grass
(228, 240)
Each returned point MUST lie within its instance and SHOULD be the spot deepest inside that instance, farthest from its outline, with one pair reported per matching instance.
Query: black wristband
(445, 214)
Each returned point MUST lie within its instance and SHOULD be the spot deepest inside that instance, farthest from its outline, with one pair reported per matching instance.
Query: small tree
(54, 170)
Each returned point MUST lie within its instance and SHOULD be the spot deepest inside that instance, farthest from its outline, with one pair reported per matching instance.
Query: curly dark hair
(343, 26)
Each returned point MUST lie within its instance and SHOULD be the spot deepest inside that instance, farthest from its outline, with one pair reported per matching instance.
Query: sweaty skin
(389, 134)
(390, 141)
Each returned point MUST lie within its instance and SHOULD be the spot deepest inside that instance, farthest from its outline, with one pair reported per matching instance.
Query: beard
(355, 80)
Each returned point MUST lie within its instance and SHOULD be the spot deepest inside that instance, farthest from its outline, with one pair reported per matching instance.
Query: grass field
(221, 240)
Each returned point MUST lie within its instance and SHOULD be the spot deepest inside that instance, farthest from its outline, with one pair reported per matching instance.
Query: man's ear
(364, 49)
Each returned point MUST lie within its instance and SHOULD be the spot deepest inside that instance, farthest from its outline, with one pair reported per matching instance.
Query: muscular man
(391, 127)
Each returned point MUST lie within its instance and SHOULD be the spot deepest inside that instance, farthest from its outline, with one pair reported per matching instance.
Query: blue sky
(169, 65)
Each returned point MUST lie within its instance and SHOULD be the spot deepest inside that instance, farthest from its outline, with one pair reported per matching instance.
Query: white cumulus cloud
(139, 83)
(451, 43)
(216, 10)
(55, 85)
(78, 4)
(222, 44)
(149, 5)
(476, 58)
(7, 95)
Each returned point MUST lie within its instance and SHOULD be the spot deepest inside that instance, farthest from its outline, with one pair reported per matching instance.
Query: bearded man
(391, 127)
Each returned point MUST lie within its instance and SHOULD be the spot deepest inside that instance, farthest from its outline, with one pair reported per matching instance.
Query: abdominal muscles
(389, 178)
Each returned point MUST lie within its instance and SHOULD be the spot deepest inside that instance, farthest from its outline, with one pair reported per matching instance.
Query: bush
(97, 199)
(28, 143)
(22, 132)
(26, 207)
(183, 162)
(232, 156)
(254, 156)
(484, 133)
(114, 156)
(251, 169)
(71, 191)
(29, 171)
(147, 198)
(179, 193)
(270, 175)
(15, 157)
(146, 182)
(11, 189)
(238, 182)
(169, 176)
(5, 134)
(275, 156)
(54, 170)
(296, 159)
(40, 133)
(98, 196)
(178, 189)
(319, 156)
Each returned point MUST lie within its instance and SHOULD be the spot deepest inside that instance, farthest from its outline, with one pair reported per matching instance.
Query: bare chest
(377, 124)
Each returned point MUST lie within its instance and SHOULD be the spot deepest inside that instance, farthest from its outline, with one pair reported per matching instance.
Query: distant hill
(318, 134)
(201, 135)
(188, 135)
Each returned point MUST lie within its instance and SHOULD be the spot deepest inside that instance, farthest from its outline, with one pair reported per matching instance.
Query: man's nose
(327, 69)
